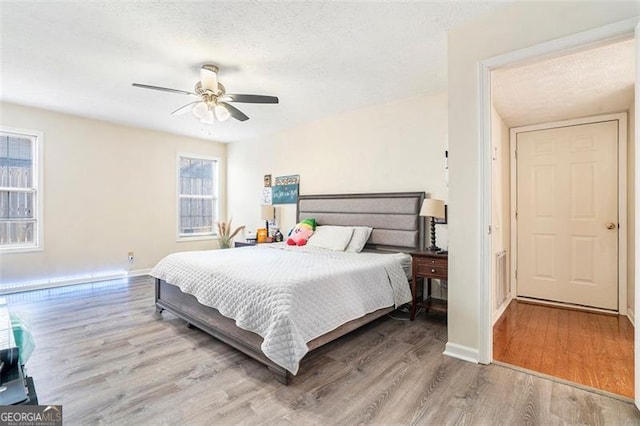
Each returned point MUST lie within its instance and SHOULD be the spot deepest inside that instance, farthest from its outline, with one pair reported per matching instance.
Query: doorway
(566, 199)
(562, 253)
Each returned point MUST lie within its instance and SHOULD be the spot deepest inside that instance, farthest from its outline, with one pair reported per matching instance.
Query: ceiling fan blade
(209, 78)
(254, 99)
(184, 108)
(163, 89)
(235, 112)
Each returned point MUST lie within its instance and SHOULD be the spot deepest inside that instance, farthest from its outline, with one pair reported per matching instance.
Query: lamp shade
(268, 212)
(200, 110)
(221, 112)
(208, 117)
(432, 208)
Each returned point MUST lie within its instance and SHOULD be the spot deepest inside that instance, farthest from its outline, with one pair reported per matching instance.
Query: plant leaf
(236, 231)
(224, 230)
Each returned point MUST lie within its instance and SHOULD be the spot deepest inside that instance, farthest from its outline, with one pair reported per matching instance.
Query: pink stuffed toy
(302, 232)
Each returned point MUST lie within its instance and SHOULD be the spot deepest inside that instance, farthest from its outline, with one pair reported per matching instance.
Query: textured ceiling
(319, 58)
(589, 82)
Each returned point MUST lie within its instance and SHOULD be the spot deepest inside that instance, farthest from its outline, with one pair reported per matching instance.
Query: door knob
(611, 225)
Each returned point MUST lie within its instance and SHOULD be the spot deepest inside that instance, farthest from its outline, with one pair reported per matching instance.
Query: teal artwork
(285, 190)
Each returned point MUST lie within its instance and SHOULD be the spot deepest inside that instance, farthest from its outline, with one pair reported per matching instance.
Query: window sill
(12, 250)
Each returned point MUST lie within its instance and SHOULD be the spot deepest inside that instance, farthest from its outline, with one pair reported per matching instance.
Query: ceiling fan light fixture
(200, 110)
(212, 102)
(222, 113)
(208, 117)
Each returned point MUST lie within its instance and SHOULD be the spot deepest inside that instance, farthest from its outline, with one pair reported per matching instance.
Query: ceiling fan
(212, 100)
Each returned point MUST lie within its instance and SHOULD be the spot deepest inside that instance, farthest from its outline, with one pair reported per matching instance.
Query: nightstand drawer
(432, 271)
(431, 261)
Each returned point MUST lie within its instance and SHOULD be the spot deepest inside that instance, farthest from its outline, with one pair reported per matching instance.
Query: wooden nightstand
(243, 243)
(426, 264)
(237, 244)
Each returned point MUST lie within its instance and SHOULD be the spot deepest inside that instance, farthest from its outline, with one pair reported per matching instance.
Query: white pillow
(359, 239)
(331, 237)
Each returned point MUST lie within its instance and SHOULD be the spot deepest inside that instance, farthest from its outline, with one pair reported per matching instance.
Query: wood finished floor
(592, 349)
(108, 359)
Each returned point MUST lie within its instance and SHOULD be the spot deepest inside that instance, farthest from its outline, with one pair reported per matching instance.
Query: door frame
(621, 118)
(616, 31)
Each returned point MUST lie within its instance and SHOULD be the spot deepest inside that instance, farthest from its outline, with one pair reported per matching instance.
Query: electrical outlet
(130, 256)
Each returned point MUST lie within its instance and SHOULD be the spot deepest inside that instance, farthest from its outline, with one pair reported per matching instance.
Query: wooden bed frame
(397, 227)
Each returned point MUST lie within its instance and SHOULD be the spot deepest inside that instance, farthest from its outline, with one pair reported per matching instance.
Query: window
(20, 190)
(197, 196)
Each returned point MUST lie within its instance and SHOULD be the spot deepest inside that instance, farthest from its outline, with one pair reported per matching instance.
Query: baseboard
(464, 353)
(72, 280)
(498, 312)
(138, 272)
(631, 316)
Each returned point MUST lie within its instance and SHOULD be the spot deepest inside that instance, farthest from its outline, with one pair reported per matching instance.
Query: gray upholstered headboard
(394, 217)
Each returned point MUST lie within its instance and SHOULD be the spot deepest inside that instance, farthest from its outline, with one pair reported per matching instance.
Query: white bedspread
(288, 295)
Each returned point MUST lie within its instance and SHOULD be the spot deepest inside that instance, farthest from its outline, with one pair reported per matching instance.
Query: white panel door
(567, 214)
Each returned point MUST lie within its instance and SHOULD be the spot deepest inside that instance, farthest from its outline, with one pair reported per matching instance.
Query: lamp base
(433, 246)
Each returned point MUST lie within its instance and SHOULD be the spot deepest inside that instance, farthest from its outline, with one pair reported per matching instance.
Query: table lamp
(434, 209)
(268, 214)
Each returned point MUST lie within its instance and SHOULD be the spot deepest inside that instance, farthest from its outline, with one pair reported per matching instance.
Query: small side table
(248, 243)
(243, 243)
(426, 264)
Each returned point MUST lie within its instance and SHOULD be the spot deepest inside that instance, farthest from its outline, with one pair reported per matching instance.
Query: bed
(397, 227)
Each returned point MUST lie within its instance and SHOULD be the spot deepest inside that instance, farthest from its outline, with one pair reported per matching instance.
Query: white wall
(397, 146)
(514, 27)
(631, 214)
(108, 189)
(500, 207)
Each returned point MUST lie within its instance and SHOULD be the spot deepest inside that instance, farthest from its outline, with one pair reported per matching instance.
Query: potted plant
(225, 234)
